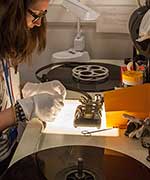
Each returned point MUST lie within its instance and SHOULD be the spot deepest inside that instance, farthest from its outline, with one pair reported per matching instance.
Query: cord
(139, 3)
(147, 3)
(8, 81)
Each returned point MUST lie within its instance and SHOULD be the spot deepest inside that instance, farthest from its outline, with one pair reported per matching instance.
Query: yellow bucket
(132, 78)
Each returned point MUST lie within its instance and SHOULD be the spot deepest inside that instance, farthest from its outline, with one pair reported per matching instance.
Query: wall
(107, 38)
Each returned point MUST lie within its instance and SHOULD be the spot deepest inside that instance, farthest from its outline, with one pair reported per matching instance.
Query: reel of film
(90, 73)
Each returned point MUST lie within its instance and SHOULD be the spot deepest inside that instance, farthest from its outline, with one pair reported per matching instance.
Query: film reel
(90, 73)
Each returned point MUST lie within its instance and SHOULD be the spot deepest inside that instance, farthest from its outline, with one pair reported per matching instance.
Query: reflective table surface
(77, 162)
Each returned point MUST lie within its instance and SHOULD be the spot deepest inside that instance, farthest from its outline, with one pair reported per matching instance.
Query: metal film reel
(90, 73)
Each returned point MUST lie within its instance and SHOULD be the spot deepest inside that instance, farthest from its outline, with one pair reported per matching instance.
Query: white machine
(77, 53)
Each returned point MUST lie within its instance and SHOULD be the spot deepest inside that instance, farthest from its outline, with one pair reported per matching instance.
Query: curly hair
(17, 42)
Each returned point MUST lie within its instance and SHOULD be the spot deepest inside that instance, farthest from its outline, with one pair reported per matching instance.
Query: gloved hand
(144, 29)
(43, 106)
(51, 87)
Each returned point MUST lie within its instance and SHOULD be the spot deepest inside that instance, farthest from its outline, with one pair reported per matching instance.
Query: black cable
(147, 3)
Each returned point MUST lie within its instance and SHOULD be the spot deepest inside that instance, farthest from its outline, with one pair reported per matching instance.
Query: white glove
(144, 29)
(51, 87)
(43, 106)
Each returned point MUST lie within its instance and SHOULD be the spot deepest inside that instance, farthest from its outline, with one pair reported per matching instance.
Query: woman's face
(35, 13)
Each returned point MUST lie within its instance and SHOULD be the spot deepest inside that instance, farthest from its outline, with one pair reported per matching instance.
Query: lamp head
(80, 10)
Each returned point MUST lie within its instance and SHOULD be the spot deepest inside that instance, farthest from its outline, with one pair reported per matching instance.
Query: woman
(23, 30)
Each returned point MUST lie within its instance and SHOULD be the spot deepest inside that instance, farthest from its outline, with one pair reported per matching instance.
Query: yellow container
(132, 78)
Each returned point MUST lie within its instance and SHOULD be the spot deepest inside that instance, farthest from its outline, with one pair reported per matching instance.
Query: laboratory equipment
(77, 53)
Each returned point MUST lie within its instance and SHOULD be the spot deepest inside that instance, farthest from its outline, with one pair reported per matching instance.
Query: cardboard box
(132, 100)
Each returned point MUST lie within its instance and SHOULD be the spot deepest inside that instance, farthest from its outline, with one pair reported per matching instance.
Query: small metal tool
(89, 133)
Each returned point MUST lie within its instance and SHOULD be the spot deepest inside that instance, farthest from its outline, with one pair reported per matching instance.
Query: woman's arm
(7, 118)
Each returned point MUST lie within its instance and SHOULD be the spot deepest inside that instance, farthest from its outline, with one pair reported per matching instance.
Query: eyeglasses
(37, 17)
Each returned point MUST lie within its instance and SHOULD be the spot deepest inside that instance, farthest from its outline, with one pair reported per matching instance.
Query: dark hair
(17, 42)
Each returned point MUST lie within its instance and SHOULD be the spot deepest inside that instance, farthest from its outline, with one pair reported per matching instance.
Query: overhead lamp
(80, 10)
(77, 53)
